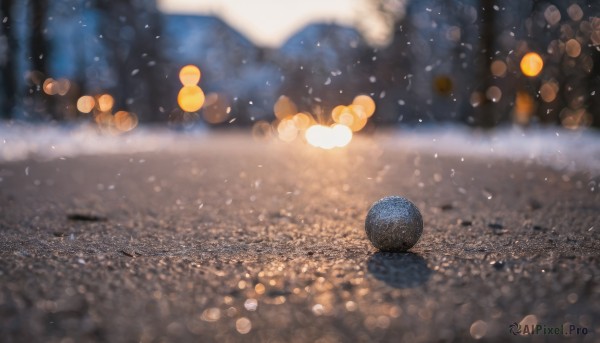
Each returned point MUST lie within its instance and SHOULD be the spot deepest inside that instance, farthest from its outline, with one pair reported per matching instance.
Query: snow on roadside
(19, 142)
(554, 147)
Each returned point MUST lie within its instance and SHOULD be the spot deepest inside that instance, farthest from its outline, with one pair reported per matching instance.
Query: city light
(191, 97)
(189, 75)
(532, 64)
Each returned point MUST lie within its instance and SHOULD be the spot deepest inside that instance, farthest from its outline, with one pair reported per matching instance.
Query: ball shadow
(399, 270)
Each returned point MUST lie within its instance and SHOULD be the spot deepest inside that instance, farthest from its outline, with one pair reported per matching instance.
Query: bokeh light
(453, 33)
(575, 12)
(216, 108)
(302, 121)
(494, 93)
(549, 90)
(85, 104)
(189, 75)
(336, 113)
(498, 68)
(284, 107)
(287, 130)
(443, 85)
(552, 15)
(105, 102)
(320, 136)
(243, 325)
(524, 108)
(573, 48)
(56, 87)
(62, 86)
(359, 118)
(353, 116)
(575, 119)
(344, 116)
(50, 86)
(595, 34)
(190, 98)
(476, 99)
(342, 135)
(532, 64)
(478, 329)
(325, 137)
(366, 102)
(316, 130)
(125, 121)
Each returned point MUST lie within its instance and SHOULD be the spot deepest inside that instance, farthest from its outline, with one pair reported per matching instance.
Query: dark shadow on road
(399, 270)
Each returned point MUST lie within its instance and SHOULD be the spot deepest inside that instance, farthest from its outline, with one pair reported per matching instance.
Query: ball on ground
(394, 224)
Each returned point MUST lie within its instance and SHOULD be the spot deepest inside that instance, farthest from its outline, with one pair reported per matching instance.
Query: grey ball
(394, 224)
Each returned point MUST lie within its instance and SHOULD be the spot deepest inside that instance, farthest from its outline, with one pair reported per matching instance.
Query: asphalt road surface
(227, 239)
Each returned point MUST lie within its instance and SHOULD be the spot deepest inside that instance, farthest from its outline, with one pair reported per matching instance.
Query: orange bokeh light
(336, 113)
(105, 102)
(287, 129)
(189, 75)
(498, 68)
(532, 64)
(50, 86)
(549, 91)
(86, 104)
(366, 102)
(317, 129)
(573, 48)
(216, 108)
(284, 107)
(359, 118)
(190, 98)
(125, 121)
(302, 120)
(353, 116)
(63, 86)
(524, 108)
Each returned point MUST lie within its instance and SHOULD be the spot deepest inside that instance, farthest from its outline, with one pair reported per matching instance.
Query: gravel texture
(226, 239)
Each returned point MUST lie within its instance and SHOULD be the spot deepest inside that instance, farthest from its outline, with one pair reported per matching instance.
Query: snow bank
(552, 146)
(555, 147)
(20, 142)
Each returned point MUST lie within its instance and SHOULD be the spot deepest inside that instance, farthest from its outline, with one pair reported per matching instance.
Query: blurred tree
(429, 69)
(8, 48)
(39, 49)
(486, 114)
(38, 43)
(499, 31)
(132, 30)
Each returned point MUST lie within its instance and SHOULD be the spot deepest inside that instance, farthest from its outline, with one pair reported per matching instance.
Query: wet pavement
(227, 239)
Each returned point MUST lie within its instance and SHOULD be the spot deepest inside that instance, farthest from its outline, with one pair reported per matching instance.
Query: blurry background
(478, 62)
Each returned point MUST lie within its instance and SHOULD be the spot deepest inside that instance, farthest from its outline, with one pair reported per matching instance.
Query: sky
(271, 22)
